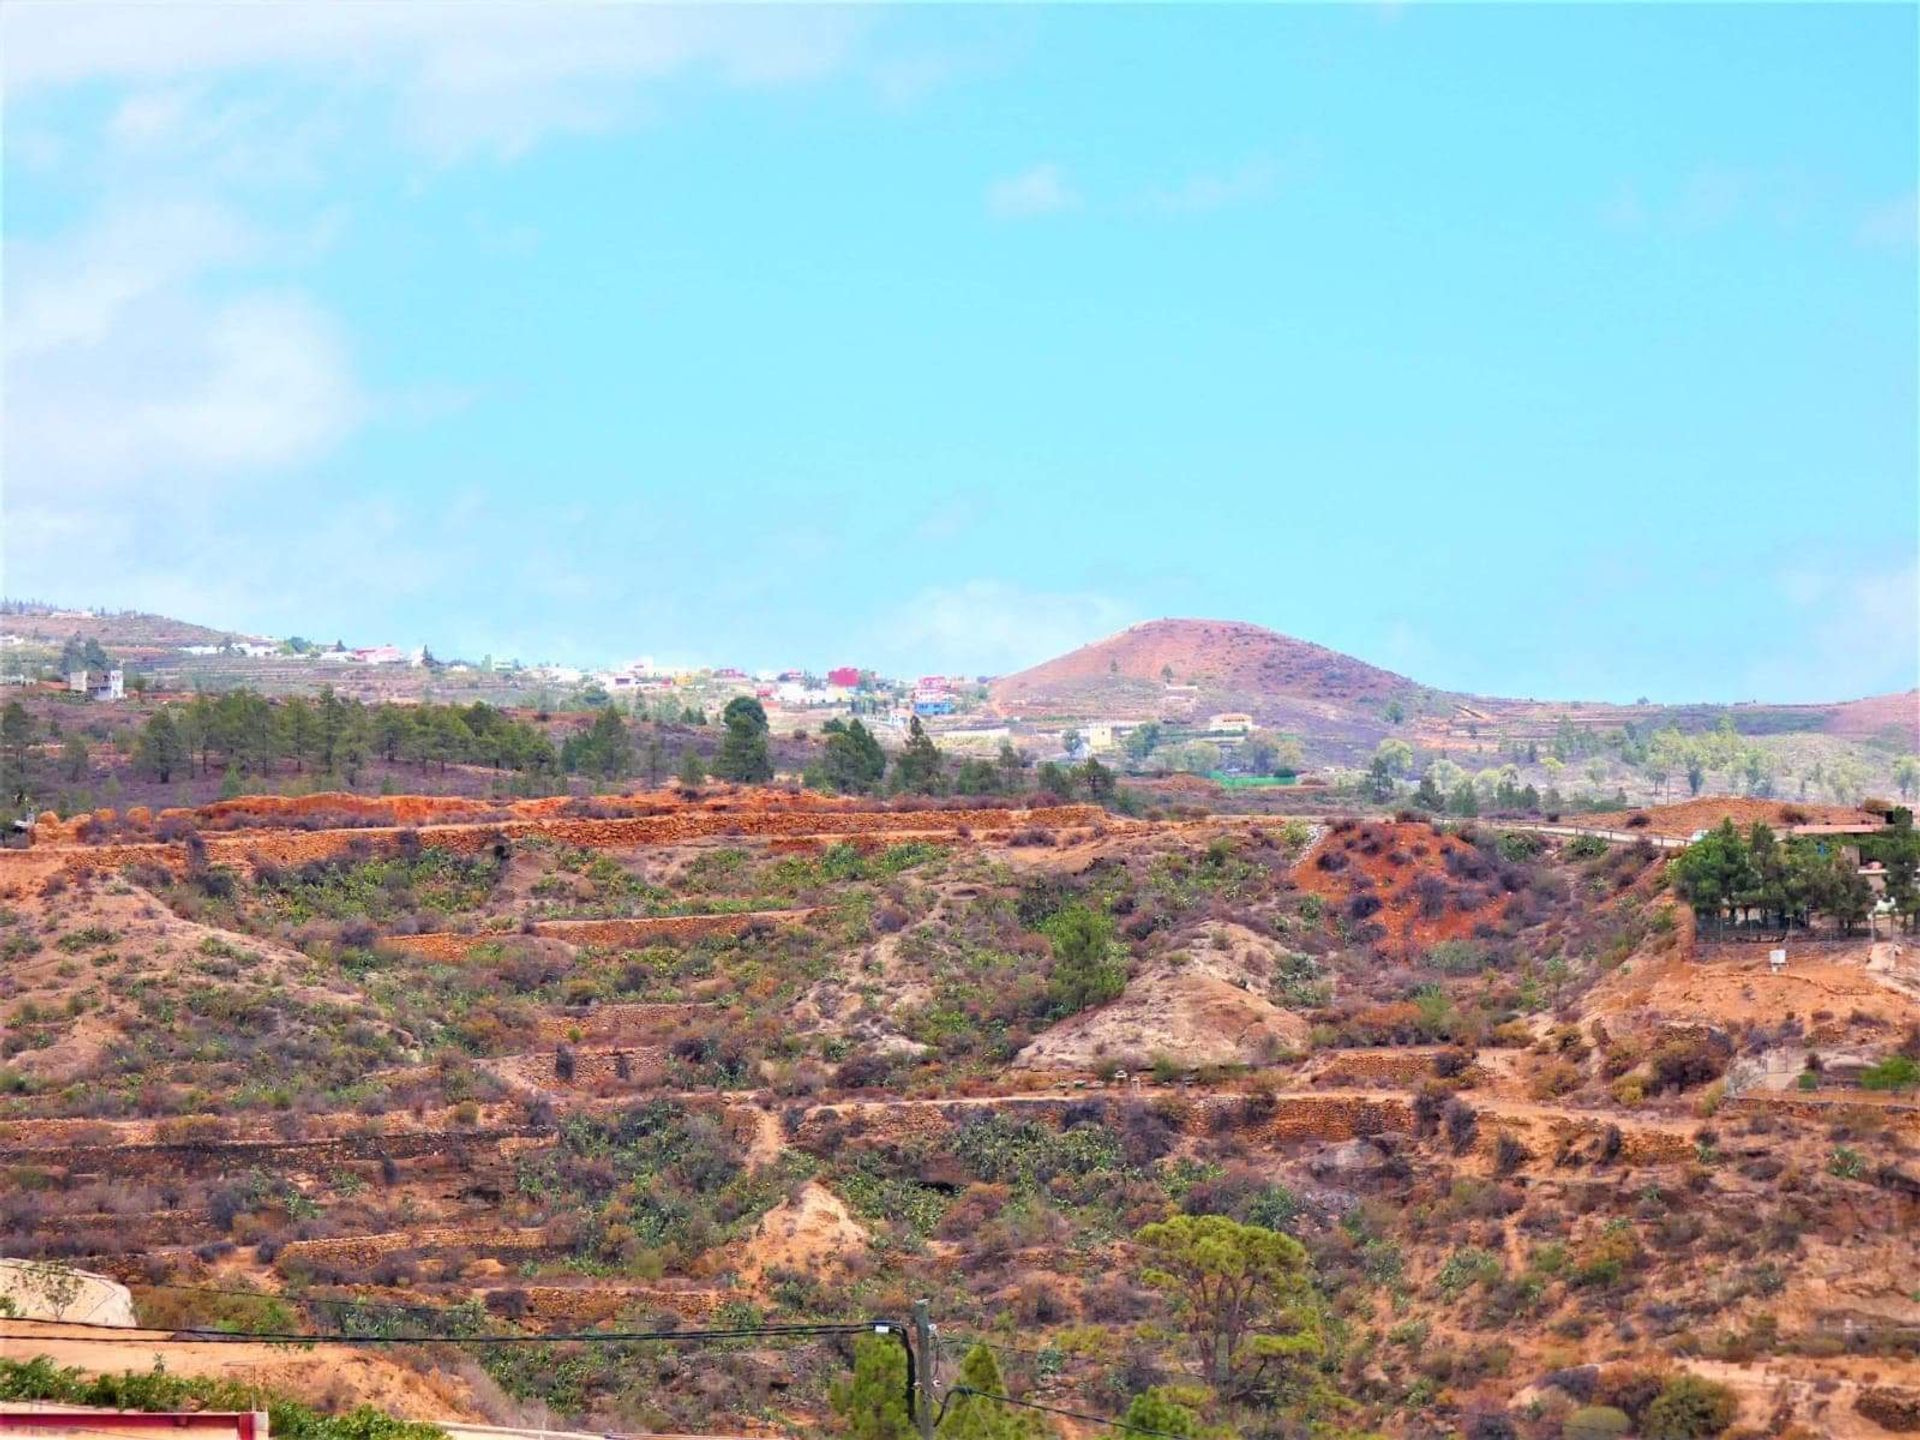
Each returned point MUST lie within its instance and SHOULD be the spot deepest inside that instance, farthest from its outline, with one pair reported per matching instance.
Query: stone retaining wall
(567, 1307)
(297, 847)
(592, 1069)
(620, 1023)
(356, 1252)
(447, 946)
(295, 1156)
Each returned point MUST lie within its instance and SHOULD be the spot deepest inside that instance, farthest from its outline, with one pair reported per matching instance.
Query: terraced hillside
(756, 1059)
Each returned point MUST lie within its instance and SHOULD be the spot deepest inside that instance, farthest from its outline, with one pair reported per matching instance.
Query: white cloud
(1217, 190)
(121, 369)
(71, 290)
(994, 626)
(471, 77)
(1042, 190)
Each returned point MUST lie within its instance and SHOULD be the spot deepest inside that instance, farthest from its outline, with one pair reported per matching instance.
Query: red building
(846, 676)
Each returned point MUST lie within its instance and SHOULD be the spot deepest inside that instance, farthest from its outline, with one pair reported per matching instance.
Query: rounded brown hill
(1231, 665)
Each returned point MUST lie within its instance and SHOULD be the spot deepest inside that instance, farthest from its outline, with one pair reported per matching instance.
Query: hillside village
(1268, 718)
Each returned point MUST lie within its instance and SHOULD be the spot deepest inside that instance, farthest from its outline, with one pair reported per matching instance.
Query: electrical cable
(187, 1336)
(961, 1342)
(181, 1334)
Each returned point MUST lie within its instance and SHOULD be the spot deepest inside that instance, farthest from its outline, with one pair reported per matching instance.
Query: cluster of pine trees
(1753, 876)
(241, 732)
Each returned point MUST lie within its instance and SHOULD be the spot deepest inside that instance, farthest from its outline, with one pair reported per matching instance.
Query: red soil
(1226, 655)
(1387, 860)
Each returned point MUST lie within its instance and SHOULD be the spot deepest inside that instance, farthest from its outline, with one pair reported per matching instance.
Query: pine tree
(872, 1402)
(17, 734)
(853, 762)
(973, 1417)
(743, 756)
(918, 767)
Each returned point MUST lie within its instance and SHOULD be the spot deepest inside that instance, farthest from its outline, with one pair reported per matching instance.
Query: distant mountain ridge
(1194, 668)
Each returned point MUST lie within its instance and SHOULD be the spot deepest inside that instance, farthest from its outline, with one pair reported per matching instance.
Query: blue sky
(1528, 350)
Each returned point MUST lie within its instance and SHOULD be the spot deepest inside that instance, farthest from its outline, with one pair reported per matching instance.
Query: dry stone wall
(243, 848)
(356, 1252)
(448, 947)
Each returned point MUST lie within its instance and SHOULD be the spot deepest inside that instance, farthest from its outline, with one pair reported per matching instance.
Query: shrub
(1575, 1384)
(1461, 1123)
(1089, 968)
(1896, 1072)
(1685, 1061)
(1490, 1425)
(1458, 957)
(1690, 1407)
(1596, 1422)
(1625, 1388)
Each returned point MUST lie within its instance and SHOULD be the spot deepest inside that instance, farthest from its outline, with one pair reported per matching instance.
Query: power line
(961, 1342)
(1068, 1414)
(122, 1334)
(189, 1336)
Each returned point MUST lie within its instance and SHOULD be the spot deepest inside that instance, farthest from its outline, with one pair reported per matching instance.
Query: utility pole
(923, 1345)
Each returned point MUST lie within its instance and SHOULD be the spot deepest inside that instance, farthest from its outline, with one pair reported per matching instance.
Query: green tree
(1378, 786)
(392, 731)
(354, 747)
(872, 1402)
(1906, 775)
(744, 757)
(1013, 768)
(852, 761)
(1166, 1410)
(1289, 755)
(692, 774)
(1428, 797)
(1099, 782)
(75, 758)
(18, 732)
(333, 714)
(1395, 755)
(1140, 741)
(160, 751)
(299, 731)
(970, 1416)
(919, 767)
(976, 776)
(1088, 967)
(1196, 757)
(1244, 1295)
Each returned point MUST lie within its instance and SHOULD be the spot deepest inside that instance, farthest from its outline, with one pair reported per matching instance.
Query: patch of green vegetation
(380, 887)
(40, 1379)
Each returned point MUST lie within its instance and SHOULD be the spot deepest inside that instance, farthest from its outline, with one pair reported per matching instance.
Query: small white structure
(111, 686)
(47, 1290)
(1777, 959)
